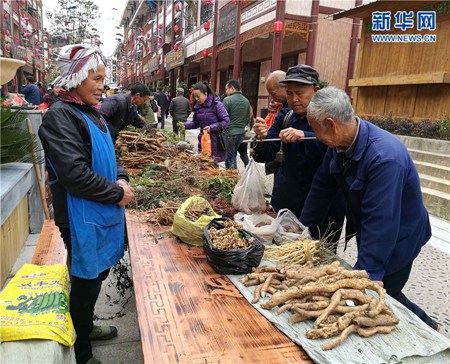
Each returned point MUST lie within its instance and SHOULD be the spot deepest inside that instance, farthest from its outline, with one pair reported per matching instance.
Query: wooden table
(187, 313)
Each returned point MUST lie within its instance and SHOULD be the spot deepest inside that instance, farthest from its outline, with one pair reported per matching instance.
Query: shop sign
(296, 27)
(23, 53)
(175, 58)
(226, 28)
(152, 65)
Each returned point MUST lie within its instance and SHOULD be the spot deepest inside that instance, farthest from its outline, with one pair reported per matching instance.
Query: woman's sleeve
(223, 119)
(66, 149)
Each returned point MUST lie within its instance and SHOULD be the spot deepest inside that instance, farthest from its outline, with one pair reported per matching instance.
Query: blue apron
(96, 228)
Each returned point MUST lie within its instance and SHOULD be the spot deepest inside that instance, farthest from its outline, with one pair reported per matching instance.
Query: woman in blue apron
(89, 188)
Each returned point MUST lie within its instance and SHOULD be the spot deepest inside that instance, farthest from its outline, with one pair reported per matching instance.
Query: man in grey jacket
(180, 109)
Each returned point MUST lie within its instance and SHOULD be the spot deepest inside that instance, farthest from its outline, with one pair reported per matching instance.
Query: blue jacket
(382, 188)
(31, 93)
(294, 177)
(119, 112)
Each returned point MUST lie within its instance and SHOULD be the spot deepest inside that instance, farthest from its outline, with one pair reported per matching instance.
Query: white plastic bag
(261, 225)
(248, 194)
(289, 228)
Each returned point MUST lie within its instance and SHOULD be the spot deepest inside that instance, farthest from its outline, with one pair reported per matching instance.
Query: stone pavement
(428, 286)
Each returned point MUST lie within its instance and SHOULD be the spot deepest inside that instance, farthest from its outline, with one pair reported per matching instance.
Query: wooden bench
(50, 248)
(187, 313)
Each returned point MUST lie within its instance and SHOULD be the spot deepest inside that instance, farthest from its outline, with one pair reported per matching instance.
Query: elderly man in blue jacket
(381, 184)
(302, 157)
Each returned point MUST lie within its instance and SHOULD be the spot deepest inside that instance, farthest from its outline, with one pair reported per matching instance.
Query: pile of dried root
(332, 295)
(138, 149)
(229, 237)
(175, 179)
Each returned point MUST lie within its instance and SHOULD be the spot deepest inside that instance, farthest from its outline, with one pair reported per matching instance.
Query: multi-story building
(196, 40)
(22, 37)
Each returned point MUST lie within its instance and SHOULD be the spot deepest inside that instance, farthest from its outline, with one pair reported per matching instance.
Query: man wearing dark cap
(301, 158)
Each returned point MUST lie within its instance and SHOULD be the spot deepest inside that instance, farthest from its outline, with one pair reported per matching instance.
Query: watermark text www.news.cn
(382, 21)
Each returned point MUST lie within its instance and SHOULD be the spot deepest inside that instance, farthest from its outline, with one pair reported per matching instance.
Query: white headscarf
(75, 61)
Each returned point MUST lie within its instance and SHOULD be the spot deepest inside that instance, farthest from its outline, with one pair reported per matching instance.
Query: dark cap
(303, 74)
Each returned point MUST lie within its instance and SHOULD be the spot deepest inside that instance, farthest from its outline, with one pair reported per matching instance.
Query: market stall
(189, 313)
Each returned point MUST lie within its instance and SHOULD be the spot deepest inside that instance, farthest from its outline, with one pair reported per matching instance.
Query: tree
(74, 19)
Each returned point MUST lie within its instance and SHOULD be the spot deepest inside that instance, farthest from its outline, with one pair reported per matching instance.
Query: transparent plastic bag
(248, 194)
(289, 228)
(263, 226)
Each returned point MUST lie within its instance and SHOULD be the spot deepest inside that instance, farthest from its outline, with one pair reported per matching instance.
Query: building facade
(181, 41)
(22, 37)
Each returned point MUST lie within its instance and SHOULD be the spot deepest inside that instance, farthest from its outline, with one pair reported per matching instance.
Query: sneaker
(93, 361)
(103, 333)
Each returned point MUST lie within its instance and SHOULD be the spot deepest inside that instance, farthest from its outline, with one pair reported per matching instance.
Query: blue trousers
(394, 284)
(232, 150)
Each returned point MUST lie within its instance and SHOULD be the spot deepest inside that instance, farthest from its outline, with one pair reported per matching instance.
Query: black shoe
(103, 333)
(434, 325)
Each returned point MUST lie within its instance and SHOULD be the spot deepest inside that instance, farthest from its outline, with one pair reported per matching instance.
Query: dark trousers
(161, 119)
(83, 296)
(242, 150)
(394, 284)
(175, 125)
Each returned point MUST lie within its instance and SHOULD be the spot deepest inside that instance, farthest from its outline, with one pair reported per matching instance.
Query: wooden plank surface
(50, 247)
(189, 314)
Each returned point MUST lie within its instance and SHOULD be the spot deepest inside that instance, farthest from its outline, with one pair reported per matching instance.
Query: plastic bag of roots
(230, 249)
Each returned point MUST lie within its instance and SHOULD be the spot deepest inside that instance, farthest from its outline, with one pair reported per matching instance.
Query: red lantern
(6, 31)
(160, 10)
(25, 58)
(159, 26)
(158, 57)
(148, 35)
(278, 27)
(5, 16)
(147, 49)
(206, 26)
(177, 7)
(158, 72)
(205, 52)
(176, 28)
(45, 39)
(175, 47)
(7, 47)
(23, 2)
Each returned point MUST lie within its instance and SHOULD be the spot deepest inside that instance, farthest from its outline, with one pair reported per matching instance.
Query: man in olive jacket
(238, 108)
(179, 108)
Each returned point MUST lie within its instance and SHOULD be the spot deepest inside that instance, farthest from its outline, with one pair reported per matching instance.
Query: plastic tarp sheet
(412, 342)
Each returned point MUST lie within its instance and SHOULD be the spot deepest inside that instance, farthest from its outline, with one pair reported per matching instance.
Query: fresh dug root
(295, 292)
(344, 335)
(334, 297)
(366, 332)
(380, 320)
(323, 332)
